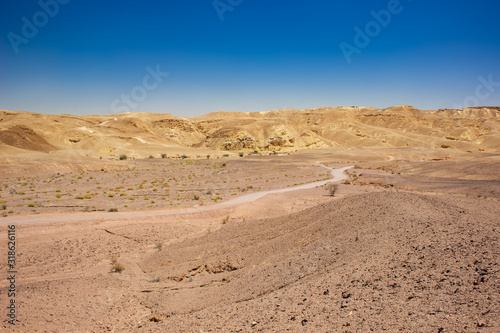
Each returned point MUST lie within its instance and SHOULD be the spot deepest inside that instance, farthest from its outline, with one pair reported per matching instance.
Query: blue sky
(96, 57)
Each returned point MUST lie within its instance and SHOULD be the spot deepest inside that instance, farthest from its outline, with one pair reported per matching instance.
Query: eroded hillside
(139, 134)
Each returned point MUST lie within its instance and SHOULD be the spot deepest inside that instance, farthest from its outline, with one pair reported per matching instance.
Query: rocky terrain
(408, 242)
(144, 134)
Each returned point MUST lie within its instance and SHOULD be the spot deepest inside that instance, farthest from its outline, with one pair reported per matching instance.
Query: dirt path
(337, 175)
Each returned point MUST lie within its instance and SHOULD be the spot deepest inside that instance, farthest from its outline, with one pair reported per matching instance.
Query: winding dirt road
(337, 175)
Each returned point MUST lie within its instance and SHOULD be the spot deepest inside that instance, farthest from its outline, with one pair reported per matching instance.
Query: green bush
(123, 157)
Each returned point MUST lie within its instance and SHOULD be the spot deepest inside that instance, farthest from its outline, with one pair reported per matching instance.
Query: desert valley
(228, 222)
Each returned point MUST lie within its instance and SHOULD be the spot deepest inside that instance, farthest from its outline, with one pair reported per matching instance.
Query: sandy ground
(408, 243)
(149, 184)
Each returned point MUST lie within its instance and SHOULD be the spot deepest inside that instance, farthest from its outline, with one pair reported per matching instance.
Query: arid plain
(130, 222)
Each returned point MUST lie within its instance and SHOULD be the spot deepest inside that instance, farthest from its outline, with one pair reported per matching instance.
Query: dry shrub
(117, 267)
(332, 188)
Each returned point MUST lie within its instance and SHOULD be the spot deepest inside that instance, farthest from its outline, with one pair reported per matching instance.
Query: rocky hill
(469, 129)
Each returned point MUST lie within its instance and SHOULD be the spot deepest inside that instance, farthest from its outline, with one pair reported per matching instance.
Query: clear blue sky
(265, 54)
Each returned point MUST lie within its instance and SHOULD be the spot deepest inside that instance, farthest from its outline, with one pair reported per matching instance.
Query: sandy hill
(140, 134)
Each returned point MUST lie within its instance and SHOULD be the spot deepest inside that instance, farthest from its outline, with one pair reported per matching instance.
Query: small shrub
(184, 156)
(159, 245)
(240, 154)
(31, 205)
(225, 155)
(332, 188)
(225, 219)
(163, 155)
(113, 210)
(123, 157)
(4, 206)
(117, 267)
(151, 156)
(196, 197)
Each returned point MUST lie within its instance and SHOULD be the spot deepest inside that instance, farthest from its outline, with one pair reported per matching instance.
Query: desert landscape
(229, 222)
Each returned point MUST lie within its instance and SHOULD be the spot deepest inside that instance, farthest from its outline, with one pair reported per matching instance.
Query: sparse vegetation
(123, 157)
(240, 154)
(113, 210)
(179, 182)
